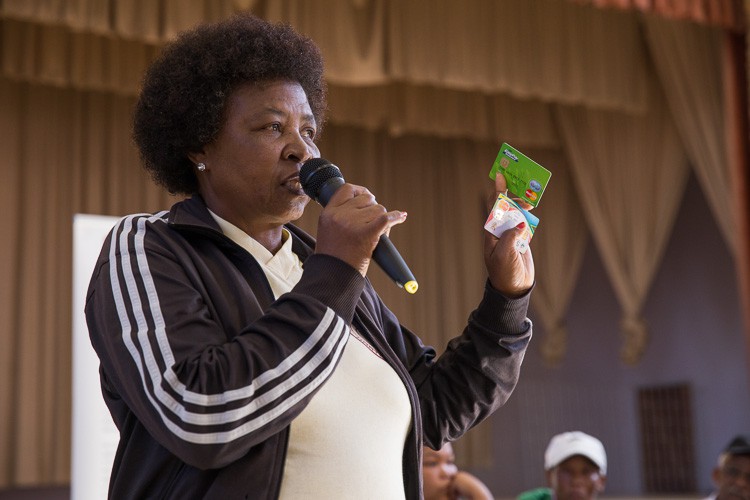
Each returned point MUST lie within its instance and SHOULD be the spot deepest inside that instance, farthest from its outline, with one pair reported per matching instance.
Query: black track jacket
(203, 371)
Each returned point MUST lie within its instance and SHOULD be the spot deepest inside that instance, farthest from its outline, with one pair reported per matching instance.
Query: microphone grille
(314, 173)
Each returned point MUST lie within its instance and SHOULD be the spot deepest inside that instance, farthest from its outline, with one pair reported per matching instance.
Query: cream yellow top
(349, 440)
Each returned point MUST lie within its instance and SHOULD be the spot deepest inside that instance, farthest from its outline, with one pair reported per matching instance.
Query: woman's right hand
(351, 224)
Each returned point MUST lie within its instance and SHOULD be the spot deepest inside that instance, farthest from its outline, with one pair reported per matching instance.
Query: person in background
(443, 480)
(239, 356)
(731, 475)
(575, 465)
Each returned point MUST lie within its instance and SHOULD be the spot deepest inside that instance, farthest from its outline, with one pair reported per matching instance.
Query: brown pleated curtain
(421, 96)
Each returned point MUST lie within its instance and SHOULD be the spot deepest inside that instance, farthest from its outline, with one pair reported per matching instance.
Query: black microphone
(320, 179)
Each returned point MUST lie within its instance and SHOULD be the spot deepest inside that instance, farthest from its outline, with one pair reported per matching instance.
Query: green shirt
(537, 494)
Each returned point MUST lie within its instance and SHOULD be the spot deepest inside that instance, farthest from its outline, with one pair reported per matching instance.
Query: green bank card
(525, 177)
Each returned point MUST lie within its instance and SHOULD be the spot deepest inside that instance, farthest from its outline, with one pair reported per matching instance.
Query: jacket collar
(192, 214)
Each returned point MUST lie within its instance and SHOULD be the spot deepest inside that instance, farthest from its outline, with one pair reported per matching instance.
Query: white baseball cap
(565, 445)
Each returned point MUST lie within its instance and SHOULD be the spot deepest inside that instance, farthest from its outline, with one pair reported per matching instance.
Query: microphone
(320, 179)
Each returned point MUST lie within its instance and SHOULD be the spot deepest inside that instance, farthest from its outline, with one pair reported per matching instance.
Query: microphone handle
(390, 260)
(385, 253)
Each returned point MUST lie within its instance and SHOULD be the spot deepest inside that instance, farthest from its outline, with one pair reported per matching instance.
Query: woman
(239, 357)
(443, 480)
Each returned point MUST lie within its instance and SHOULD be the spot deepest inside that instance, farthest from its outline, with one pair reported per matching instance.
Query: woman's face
(252, 168)
(438, 470)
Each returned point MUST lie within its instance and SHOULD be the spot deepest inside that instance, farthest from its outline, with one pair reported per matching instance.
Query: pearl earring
(201, 167)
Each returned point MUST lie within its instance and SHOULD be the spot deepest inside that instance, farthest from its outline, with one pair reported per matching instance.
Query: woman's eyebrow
(278, 112)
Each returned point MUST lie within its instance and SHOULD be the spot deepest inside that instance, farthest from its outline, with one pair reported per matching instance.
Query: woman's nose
(300, 150)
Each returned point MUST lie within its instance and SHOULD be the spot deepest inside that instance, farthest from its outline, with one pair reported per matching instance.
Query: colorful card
(525, 177)
(506, 214)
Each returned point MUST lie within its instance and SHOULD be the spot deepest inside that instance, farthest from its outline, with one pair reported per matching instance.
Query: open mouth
(293, 184)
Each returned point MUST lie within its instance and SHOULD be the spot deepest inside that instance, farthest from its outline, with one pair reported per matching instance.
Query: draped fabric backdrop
(618, 98)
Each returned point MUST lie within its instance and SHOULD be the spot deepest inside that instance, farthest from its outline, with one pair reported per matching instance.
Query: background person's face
(732, 479)
(439, 469)
(251, 177)
(576, 478)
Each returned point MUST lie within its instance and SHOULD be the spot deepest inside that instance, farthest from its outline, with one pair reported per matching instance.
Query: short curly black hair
(181, 105)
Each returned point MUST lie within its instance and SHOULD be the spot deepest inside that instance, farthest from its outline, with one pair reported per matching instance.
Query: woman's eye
(308, 132)
(275, 127)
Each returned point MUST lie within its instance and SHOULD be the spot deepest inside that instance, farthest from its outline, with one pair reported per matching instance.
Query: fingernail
(404, 215)
(521, 225)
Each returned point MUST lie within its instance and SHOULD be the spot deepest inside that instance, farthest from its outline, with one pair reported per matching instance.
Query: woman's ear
(197, 157)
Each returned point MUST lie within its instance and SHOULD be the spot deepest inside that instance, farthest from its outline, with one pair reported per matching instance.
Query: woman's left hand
(510, 271)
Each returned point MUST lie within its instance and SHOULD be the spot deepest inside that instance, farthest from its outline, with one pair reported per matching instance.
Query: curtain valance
(542, 50)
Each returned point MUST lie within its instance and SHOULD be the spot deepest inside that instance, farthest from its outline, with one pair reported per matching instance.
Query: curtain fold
(543, 50)
(136, 20)
(558, 245)
(64, 152)
(439, 112)
(54, 55)
(729, 14)
(40, 349)
(630, 174)
(149, 21)
(10, 252)
(351, 34)
(180, 15)
(737, 107)
(689, 67)
(705, 77)
(539, 50)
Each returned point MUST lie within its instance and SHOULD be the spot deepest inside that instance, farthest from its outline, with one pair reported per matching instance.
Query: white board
(95, 437)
